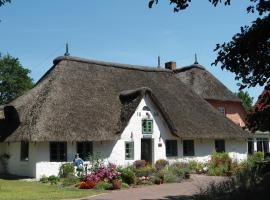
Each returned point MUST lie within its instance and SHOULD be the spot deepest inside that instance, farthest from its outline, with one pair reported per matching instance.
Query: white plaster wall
(237, 149)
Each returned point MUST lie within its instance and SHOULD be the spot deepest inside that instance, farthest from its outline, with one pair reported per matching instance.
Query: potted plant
(117, 183)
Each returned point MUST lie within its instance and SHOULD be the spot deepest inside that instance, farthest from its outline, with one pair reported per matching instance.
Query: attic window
(147, 126)
(146, 108)
(222, 110)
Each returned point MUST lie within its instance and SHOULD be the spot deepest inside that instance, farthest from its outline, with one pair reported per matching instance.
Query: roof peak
(182, 69)
(109, 64)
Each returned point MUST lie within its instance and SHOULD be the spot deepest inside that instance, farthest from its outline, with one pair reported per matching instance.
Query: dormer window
(222, 110)
(147, 126)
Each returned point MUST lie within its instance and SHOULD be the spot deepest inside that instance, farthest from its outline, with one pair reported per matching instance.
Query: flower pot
(116, 184)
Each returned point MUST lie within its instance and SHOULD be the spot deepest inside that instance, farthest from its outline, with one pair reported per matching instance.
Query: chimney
(170, 65)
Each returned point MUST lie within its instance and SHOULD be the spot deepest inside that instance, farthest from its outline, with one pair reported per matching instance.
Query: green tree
(14, 79)
(248, 53)
(247, 100)
(2, 2)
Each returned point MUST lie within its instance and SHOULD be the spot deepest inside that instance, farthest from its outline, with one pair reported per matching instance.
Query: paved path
(173, 191)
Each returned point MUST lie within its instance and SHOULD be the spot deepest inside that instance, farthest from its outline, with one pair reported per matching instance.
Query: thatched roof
(86, 100)
(205, 84)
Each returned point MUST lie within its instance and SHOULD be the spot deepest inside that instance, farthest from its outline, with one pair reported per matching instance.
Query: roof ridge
(185, 68)
(109, 64)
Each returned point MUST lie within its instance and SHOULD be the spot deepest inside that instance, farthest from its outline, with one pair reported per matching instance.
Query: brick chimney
(170, 65)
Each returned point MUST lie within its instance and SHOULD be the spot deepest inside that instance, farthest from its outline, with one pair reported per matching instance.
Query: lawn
(24, 190)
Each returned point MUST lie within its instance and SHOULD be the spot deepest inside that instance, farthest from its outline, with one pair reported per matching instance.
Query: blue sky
(124, 31)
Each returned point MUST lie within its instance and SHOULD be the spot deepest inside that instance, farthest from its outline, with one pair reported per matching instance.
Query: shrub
(87, 184)
(171, 174)
(103, 185)
(128, 176)
(96, 161)
(160, 164)
(257, 157)
(44, 179)
(53, 179)
(219, 164)
(125, 185)
(144, 171)
(66, 170)
(139, 164)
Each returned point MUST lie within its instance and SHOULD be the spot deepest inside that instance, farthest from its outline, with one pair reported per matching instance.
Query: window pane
(220, 146)
(24, 151)
(129, 150)
(84, 149)
(58, 151)
(250, 147)
(171, 148)
(188, 148)
(259, 146)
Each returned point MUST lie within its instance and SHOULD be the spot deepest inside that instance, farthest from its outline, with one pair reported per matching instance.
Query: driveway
(180, 191)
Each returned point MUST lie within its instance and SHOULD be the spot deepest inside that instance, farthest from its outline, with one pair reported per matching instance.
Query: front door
(146, 150)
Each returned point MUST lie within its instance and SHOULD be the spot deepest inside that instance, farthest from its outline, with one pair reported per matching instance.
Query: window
(250, 146)
(146, 108)
(263, 144)
(147, 126)
(24, 151)
(129, 150)
(58, 151)
(171, 148)
(85, 149)
(188, 147)
(220, 146)
(222, 110)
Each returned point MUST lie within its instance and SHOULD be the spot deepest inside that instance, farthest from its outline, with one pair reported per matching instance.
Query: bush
(139, 164)
(219, 164)
(125, 185)
(66, 170)
(53, 180)
(171, 174)
(257, 157)
(87, 184)
(144, 171)
(44, 179)
(102, 185)
(96, 161)
(128, 176)
(160, 164)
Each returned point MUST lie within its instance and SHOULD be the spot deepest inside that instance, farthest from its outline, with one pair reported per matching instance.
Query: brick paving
(173, 191)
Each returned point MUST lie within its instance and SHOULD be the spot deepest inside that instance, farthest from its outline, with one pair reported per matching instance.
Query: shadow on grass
(12, 177)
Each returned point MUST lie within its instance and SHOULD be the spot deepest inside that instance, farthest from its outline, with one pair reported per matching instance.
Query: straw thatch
(85, 100)
(205, 84)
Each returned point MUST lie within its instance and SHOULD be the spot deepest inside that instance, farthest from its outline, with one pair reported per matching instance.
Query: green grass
(23, 190)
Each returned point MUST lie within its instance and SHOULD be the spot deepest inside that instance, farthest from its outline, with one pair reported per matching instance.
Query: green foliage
(2, 2)
(44, 179)
(125, 186)
(128, 176)
(103, 185)
(144, 171)
(246, 99)
(14, 79)
(257, 157)
(96, 161)
(219, 164)
(160, 164)
(66, 170)
(53, 180)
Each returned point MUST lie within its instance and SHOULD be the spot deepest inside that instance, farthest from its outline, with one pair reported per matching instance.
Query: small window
(188, 147)
(147, 126)
(129, 150)
(250, 146)
(222, 110)
(58, 151)
(220, 146)
(85, 149)
(263, 145)
(171, 148)
(24, 151)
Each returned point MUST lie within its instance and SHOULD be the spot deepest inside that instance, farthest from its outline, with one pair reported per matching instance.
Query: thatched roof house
(86, 100)
(205, 84)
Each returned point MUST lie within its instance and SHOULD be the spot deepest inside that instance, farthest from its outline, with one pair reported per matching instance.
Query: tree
(247, 100)
(259, 118)
(2, 2)
(248, 53)
(14, 79)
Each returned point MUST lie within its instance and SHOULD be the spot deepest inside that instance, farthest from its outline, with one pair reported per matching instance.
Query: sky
(122, 31)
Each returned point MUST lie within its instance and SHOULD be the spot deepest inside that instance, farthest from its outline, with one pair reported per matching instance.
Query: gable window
(85, 149)
(188, 148)
(147, 126)
(129, 150)
(220, 146)
(58, 151)
(171, 148)
(222, 110)
(263, 145)
(24, 151)
(250, 146)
